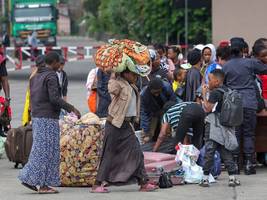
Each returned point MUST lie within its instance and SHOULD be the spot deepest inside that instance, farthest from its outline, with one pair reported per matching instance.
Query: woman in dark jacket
(42, 169)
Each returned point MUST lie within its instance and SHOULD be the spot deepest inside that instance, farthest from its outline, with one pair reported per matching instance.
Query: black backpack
(232, 108)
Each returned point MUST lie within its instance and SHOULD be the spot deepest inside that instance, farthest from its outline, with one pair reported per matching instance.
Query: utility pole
(186, 25)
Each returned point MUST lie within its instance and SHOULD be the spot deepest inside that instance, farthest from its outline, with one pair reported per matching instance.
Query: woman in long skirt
(42, 169)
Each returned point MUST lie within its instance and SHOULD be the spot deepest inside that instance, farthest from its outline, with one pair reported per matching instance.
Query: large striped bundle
(80, 143)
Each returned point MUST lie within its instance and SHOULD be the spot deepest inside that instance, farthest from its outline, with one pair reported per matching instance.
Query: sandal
(47, 190)
(99, 189)
(34, 188)
(148, 187)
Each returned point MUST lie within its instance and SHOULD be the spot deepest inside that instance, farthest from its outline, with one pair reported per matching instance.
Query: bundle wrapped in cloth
(120, 55)
(80, 146)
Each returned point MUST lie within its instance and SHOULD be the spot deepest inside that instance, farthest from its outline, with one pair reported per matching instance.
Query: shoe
(148, 187)
(34, 188)
(47, 190)
(204, 183)
(249, 167)
(99, 189)
(234, 182)
(237, 163)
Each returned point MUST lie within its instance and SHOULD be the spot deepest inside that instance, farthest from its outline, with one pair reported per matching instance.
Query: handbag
(165, 180)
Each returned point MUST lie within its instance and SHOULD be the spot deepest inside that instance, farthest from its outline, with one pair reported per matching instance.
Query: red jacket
(264, 85)
(2, 107)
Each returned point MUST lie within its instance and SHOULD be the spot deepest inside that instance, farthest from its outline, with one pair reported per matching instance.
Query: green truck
(27, 16)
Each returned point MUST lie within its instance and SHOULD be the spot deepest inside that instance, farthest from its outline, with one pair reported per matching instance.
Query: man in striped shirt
(181, 117)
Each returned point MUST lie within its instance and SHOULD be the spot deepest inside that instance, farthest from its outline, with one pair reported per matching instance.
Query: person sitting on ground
(181, 117)
(213, 106)
(122, 160)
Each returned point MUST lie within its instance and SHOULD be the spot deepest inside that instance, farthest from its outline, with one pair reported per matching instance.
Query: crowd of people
(179, 101)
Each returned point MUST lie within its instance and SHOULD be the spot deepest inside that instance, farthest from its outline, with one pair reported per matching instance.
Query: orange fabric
(111, 55)
(92, 101)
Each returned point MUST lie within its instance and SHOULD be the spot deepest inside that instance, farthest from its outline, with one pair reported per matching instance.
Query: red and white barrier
(71, 54)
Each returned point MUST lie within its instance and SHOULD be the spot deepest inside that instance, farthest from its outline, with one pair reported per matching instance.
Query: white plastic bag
(2, 146)
(188, 154)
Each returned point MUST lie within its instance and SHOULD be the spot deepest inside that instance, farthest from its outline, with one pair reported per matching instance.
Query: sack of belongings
(80, 146)
(120, 55)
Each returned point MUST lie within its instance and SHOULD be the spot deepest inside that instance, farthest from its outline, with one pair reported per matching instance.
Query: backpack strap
(221, 90)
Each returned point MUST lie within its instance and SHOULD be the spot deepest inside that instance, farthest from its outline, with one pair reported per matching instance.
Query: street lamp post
(186, 25)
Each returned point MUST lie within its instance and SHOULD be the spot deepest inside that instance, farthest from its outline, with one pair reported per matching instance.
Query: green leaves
(147, 21)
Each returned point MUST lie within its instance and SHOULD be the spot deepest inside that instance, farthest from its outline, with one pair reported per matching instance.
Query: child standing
(193, 77)
(122, 160)
(178, 84)
(213, 106)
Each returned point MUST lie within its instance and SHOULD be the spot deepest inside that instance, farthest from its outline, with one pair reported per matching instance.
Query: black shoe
(34, 188)
(249, 167)
(237, 164)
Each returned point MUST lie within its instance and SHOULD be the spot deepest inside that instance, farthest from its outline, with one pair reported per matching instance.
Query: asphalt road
(77, 72)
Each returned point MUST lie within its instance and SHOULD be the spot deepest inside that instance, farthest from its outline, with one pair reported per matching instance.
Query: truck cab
(28, 16)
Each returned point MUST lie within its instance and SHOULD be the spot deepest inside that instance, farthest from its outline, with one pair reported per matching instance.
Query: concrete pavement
(253, 187)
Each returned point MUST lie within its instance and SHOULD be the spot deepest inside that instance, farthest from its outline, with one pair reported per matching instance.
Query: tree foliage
(148, 21)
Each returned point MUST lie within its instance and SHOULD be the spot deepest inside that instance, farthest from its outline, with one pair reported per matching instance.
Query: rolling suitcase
(18, 145)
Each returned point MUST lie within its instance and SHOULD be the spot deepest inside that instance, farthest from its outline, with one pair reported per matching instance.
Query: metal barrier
(17, 55)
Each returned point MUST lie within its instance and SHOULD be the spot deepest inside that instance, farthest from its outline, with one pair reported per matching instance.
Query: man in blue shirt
(153, 98)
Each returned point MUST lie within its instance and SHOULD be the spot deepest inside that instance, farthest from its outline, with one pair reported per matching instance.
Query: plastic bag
(188, 154)
(194, 174)
(2, 146)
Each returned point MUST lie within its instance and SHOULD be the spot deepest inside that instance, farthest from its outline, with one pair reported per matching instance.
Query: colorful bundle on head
(120, 55)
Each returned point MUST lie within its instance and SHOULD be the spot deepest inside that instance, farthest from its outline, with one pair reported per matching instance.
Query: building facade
(244, 18)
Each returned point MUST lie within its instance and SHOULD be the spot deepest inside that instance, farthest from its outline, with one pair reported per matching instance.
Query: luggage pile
(156, 162)
(80, 144)
(120, 55)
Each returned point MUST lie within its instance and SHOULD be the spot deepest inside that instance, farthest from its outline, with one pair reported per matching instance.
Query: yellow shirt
(175, 85)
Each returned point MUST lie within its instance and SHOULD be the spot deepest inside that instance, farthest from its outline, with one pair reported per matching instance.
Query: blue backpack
(216, 168)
